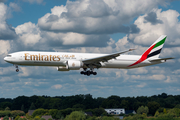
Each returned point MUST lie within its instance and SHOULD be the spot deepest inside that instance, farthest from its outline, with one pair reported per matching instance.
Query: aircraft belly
(41, 63)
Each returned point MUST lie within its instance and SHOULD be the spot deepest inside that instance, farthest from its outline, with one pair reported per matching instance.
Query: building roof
(30, 112)
(46, 117)
(129, 111)
(89, 113)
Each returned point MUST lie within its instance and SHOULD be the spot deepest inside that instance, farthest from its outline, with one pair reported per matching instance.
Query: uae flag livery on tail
(153, 51)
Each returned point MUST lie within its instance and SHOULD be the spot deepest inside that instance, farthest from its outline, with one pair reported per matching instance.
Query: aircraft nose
(5, 59)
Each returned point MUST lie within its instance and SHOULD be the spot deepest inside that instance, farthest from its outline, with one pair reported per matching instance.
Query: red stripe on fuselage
(143, 57)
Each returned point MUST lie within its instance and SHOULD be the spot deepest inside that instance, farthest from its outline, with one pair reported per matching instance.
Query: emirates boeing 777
(65, 61)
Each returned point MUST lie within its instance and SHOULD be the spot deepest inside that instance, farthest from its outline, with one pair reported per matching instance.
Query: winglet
(131, 49)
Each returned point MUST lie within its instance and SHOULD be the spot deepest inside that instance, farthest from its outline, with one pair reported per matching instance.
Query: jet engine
(74, 65)
(71, 65)
(61, 68)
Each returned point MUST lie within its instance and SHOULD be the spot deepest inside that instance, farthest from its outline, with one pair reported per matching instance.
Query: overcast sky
(95, 26)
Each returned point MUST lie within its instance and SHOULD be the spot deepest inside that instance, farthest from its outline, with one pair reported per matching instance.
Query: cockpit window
(8, 55)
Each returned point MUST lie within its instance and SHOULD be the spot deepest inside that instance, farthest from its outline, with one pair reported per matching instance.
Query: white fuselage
(35, 58)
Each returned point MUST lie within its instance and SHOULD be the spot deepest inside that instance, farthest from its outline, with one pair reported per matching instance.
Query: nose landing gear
(17, 70)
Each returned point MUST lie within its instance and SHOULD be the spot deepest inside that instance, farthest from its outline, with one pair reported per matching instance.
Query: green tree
(136, 117)
(76, 115)
(66, 111)
(170, 102)
(108, 118)
(164, 111)
(177, 106)
(5, 113)
(37, 118)
(6, 118)
(124, 104)
(17, 102)
(59, 115)
(22, 107)
(17, 117)
(15, 113)
(99, 111)
(156, 114)
(81, 106)
(53, 113)
(161, 110)
(39, 112)
(153, 107)
(88, 101)
(142, 110)
(174, 111)
(7, 108)
(28, 116)
(92, 118)
(168, 116)
(20, 118)
(32, 107)
(42, 119)
(5, 104)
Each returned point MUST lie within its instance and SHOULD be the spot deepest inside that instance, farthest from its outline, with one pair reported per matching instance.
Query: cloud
(29, 34)
(58, 86)
(3, 0)
(34, 1)
(6, 32)
(14, 7)
(152, 18)
(4, 47)
(150, 32)
(31, 37)
(141, 85)
(83, 16)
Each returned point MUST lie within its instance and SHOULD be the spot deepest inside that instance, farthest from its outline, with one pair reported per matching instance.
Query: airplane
(65, 61)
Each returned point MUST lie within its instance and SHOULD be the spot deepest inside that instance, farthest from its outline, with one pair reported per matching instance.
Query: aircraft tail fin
(153, 51)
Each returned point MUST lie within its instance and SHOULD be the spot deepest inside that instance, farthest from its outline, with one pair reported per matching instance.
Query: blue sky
(74, 26)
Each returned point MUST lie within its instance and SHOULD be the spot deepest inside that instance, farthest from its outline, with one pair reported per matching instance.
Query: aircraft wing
(158, 60)
(104, 58)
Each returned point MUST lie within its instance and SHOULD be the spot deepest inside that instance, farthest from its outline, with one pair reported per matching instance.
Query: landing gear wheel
(91, 72)
(17, 70)
(94, 73)
(82, 72)
(88, 73)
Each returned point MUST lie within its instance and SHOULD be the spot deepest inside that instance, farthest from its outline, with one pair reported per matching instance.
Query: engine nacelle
(60, 68)
(71, 65)
(74, 65)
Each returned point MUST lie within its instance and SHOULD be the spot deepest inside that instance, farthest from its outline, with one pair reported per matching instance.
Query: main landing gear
(17, 70)
(89, 72)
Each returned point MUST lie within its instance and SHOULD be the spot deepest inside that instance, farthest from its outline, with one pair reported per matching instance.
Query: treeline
(86, 102)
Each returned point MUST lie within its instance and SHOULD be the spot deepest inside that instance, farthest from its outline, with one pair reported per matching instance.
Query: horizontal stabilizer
(156, 60)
